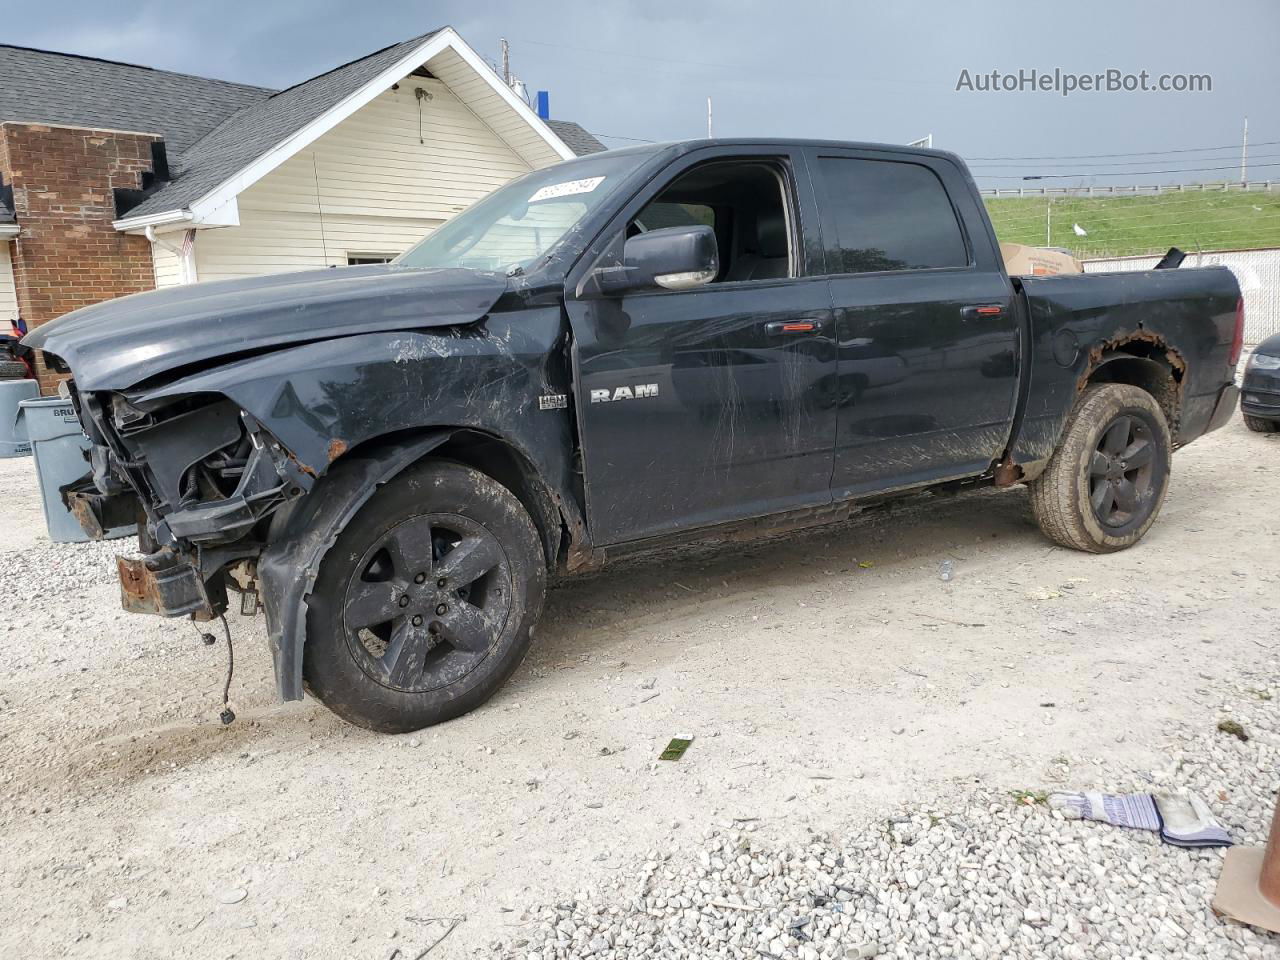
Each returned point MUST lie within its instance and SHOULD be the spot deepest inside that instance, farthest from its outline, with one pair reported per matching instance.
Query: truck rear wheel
(425, 604)
(1105, 484)
(1260, 425)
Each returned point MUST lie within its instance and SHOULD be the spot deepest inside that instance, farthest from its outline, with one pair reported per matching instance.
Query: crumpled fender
(288, 568)
(321, 399)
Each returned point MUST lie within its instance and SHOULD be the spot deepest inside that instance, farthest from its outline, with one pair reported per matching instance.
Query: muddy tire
(1259, 425)
(426, 603)
(1106, 482)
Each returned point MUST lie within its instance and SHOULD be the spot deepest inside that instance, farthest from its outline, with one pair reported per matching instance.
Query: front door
(928, 341)
(703, 406)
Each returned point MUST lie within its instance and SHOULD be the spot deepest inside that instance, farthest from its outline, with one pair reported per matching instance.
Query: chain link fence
(1257, 271)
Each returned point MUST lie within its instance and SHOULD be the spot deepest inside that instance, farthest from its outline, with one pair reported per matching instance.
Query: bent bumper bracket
(165, 584)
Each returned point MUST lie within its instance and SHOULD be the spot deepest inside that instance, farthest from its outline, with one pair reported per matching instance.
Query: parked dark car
(1260, 400)
(673, 341)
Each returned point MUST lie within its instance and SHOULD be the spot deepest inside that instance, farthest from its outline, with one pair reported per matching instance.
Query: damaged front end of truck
(223, 508)
(200, 476)
(221, 421)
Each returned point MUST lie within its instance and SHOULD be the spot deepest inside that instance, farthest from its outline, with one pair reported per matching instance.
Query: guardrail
(1134, 190)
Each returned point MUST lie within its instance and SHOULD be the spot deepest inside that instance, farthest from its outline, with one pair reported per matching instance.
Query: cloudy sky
(882, 70)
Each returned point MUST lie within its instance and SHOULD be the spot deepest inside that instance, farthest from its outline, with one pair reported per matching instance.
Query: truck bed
(1073, 322)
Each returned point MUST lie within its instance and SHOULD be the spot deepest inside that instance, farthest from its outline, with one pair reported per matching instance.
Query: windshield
(517, 224)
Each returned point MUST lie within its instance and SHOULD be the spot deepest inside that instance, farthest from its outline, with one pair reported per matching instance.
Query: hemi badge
(553, 401)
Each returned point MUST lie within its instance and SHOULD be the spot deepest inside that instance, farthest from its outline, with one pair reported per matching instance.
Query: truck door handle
(973, 311)
(779, 327)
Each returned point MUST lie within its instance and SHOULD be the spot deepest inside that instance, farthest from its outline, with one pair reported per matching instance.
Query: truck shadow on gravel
(909, 538)
(599, 615)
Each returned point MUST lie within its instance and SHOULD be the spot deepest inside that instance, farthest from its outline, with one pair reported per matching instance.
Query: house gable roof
(250, 143)
(40, 86)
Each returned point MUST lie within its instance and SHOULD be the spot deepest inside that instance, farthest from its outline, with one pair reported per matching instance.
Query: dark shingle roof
(43, 87)
(575, 138)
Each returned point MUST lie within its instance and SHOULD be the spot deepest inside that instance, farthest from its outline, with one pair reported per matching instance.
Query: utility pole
(708, 118)
(1048, 221)
(1244, 154)
(506, 62)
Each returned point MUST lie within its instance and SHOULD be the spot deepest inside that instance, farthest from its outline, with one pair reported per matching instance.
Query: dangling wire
(422, 94)
(227, 714)
(208, 639)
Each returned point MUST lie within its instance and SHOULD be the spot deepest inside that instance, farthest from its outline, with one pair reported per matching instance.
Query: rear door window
(888, 215)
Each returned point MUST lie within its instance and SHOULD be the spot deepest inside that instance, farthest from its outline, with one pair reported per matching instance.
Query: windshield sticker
(566, 189)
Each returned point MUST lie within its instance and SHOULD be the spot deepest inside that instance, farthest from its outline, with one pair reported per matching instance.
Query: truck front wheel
(1105, 483)
(425, 604)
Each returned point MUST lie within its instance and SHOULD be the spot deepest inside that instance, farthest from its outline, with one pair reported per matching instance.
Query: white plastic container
(13, 434)
(59, 446)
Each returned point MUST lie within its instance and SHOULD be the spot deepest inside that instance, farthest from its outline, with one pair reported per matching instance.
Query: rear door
(927, 338)
(709, 405)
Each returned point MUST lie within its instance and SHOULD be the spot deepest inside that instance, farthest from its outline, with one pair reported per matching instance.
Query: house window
(356, 259)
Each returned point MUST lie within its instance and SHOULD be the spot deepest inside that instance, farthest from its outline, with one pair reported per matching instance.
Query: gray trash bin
(13, 435)
(59, 446)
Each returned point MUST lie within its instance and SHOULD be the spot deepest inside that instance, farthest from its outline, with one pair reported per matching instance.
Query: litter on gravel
(977, 875)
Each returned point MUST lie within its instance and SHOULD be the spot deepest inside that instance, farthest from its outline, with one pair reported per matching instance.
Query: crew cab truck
(673, 341)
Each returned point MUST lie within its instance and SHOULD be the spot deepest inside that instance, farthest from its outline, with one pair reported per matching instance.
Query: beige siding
(8, 292)
(368, 186)
(513, 129)
(168, 266)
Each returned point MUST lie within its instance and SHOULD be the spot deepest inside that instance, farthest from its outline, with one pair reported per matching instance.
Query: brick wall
(67, 254)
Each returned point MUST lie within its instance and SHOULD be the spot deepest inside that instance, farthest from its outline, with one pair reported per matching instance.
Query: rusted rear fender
(1079, 323)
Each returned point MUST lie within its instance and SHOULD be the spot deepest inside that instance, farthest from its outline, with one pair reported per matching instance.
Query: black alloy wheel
(427, 601)
(1121, 471)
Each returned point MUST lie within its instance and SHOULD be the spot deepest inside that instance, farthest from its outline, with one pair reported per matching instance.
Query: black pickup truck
(710, 338)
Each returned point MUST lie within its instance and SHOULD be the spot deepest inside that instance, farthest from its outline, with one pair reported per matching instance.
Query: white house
(349, 166)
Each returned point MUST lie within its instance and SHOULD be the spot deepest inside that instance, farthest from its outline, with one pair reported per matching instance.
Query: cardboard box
(1023, 261)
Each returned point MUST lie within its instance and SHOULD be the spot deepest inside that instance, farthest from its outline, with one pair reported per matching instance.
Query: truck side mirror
(673, 258)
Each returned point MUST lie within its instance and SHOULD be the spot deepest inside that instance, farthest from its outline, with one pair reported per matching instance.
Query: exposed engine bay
(206, 474)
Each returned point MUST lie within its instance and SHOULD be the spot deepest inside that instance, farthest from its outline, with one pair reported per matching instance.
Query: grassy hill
(1123, 226)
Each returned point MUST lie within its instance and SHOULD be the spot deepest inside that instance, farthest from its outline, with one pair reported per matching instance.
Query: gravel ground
(865, 736)
(982, 874)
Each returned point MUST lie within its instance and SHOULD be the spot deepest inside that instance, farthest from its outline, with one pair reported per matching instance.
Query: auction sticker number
(566, 189)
